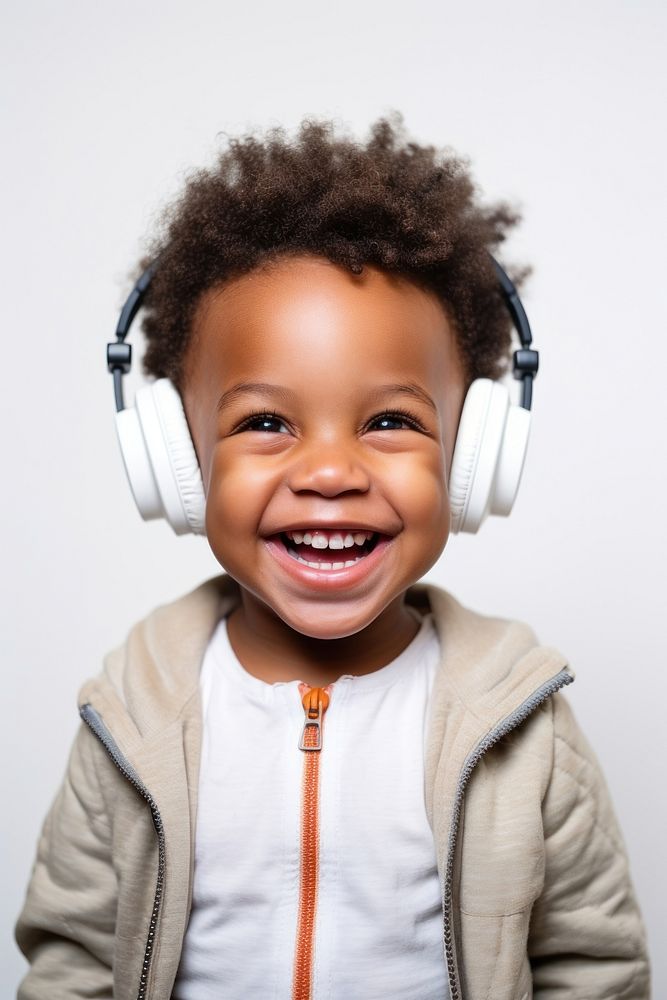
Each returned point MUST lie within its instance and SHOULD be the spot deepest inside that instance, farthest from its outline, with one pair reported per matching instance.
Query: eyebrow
(404, 389)
(282, 392)
(247, 388)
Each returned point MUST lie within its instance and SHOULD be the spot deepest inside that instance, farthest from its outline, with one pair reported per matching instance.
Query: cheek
(421, 496)
(237, 495)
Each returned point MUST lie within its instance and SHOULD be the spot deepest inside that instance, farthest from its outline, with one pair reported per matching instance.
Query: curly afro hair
(391, 203)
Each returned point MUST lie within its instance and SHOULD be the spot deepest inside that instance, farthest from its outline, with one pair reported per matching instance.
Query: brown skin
(331, 338)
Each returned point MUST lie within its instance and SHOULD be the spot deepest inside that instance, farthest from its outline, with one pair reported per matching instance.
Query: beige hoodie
(536, 895)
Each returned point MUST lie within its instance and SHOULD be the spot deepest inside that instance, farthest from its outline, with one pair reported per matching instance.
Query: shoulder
(470, 624)
(473, 634)
(156, 669)
(491, 664)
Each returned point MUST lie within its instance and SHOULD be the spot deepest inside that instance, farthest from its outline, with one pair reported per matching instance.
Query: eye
(269, 423)
(388, 421)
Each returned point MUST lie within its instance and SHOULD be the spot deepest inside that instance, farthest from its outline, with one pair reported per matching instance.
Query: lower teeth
(324, 565)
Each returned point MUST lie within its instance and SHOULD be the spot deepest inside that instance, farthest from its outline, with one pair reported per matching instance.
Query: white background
(560, 106)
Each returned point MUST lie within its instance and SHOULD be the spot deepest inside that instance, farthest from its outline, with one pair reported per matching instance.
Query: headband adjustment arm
(525, 364)
(119, 355)
(119, 360)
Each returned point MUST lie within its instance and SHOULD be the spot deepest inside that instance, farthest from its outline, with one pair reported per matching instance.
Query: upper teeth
(332, 540)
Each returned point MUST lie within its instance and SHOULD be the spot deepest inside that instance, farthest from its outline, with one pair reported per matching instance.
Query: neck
(272, 651)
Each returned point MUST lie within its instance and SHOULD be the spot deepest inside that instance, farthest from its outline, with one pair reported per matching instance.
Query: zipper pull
(315, 702)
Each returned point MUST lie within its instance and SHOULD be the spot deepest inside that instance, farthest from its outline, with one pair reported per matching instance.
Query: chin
(334, 625)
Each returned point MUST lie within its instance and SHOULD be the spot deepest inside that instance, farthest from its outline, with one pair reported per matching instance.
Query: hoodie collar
(488, 665)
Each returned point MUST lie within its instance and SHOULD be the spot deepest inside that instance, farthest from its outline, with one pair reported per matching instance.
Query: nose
(328, 468)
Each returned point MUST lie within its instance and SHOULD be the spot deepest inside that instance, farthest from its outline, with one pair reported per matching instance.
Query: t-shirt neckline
(226, 659)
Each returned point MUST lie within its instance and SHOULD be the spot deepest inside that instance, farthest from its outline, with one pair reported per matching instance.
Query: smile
(316, 548)
(322, 563)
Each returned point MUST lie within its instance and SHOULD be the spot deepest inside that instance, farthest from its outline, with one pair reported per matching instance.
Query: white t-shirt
(378, 925)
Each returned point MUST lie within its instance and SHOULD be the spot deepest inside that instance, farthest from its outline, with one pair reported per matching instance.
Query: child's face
(330, 350)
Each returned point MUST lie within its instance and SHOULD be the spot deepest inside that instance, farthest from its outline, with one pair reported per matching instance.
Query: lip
(329, 579)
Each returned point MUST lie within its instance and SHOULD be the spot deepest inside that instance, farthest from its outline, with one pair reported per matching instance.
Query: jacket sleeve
(66, 927)
(587, 940)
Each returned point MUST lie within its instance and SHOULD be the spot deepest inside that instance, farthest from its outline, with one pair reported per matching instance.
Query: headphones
(164, 475)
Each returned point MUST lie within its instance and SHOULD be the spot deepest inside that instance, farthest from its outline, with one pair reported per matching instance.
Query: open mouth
(329, 550)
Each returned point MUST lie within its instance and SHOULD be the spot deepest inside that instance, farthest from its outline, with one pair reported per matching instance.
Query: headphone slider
(119, 356)
(526, 362)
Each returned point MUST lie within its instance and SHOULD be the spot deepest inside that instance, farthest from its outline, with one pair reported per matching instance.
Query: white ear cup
(511, 460)
(160, 458)
(488, 456)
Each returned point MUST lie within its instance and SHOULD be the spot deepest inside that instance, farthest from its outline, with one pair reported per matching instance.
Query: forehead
(305, 314)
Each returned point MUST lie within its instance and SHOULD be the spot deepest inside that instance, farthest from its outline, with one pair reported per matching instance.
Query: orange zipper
(315, 703)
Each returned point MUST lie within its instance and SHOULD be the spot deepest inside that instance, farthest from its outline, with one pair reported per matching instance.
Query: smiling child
(314, 777)
(353, 431)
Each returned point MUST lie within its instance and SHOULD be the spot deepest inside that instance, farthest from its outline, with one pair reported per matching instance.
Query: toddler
(315, 777)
